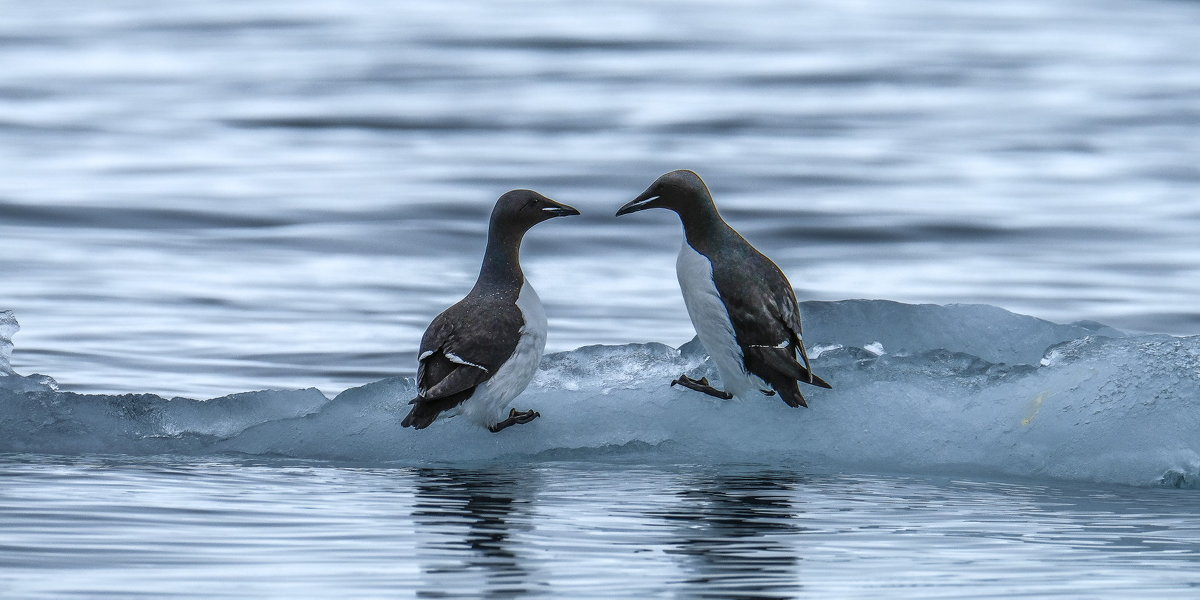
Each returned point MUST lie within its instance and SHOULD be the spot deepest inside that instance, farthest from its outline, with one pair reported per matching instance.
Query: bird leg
(701, 385)
(514, 418)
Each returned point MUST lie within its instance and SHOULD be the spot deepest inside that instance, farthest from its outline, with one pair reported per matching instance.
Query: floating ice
(988, 332)
(8, 327)
(961, 389)
(9, 380)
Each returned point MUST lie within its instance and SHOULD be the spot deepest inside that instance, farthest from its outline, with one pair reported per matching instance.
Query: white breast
(711, 320)
(491, 399)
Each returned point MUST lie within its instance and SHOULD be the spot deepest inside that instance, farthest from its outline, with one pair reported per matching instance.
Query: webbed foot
(701, 385)
(514, 418)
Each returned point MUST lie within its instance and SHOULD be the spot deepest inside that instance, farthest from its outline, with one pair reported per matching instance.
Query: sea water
(101, 526)
(224, 226)
(200, 198)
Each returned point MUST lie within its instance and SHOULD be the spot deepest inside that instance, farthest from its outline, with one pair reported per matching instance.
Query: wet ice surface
(1046, 401)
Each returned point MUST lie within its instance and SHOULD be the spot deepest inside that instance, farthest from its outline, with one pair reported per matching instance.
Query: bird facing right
(478, 355)
(741, 304)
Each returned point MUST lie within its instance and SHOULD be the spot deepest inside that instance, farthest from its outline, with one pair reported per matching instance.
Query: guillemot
(741, 304)
(480, 354)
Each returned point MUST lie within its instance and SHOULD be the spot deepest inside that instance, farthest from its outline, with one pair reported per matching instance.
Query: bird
(740, 302)
(480, 354)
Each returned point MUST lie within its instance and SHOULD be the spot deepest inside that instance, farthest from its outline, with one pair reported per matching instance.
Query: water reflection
(732, 534)
(467, 520)
(1081, 519)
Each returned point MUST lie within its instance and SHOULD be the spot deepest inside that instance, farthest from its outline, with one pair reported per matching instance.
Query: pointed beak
(640, 203)
(559, 210)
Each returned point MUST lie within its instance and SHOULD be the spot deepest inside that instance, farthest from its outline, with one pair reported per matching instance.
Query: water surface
(203, 198)
(234, 528)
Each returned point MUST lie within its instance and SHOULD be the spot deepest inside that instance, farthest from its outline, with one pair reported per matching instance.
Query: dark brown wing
(453, 383)
(462, 348)
(766, 321)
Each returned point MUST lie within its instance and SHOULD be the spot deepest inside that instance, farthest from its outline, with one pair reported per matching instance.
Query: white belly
(711, 320)
(490, 401)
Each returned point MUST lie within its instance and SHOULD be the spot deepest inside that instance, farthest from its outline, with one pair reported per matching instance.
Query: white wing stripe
(781, 345)
(457, 359)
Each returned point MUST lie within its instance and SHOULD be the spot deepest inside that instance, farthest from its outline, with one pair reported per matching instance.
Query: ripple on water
(592, 530)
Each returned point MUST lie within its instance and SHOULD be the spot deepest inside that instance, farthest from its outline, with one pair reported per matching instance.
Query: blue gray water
(237, 529)
(201, 198)
(206, 198)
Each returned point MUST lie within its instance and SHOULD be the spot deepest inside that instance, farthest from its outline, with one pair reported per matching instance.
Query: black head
(522, 209)
(681, 191)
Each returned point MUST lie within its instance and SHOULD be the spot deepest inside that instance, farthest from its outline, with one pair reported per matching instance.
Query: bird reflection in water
(733, 534)
(469, 518)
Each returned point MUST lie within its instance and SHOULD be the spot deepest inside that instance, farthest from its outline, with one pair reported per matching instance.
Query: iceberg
(8, 327)
(9, 380)
(929, 389)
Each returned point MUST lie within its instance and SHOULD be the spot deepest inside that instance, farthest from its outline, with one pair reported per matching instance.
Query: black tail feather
(761, 360)
(817, 381)
(792, 396)
(426, 410)
(418, 419)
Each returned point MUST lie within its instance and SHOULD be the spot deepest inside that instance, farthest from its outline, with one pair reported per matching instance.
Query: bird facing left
(480, 354)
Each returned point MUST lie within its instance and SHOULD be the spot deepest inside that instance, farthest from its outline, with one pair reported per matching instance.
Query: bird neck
(501, 269)
(703, 226)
